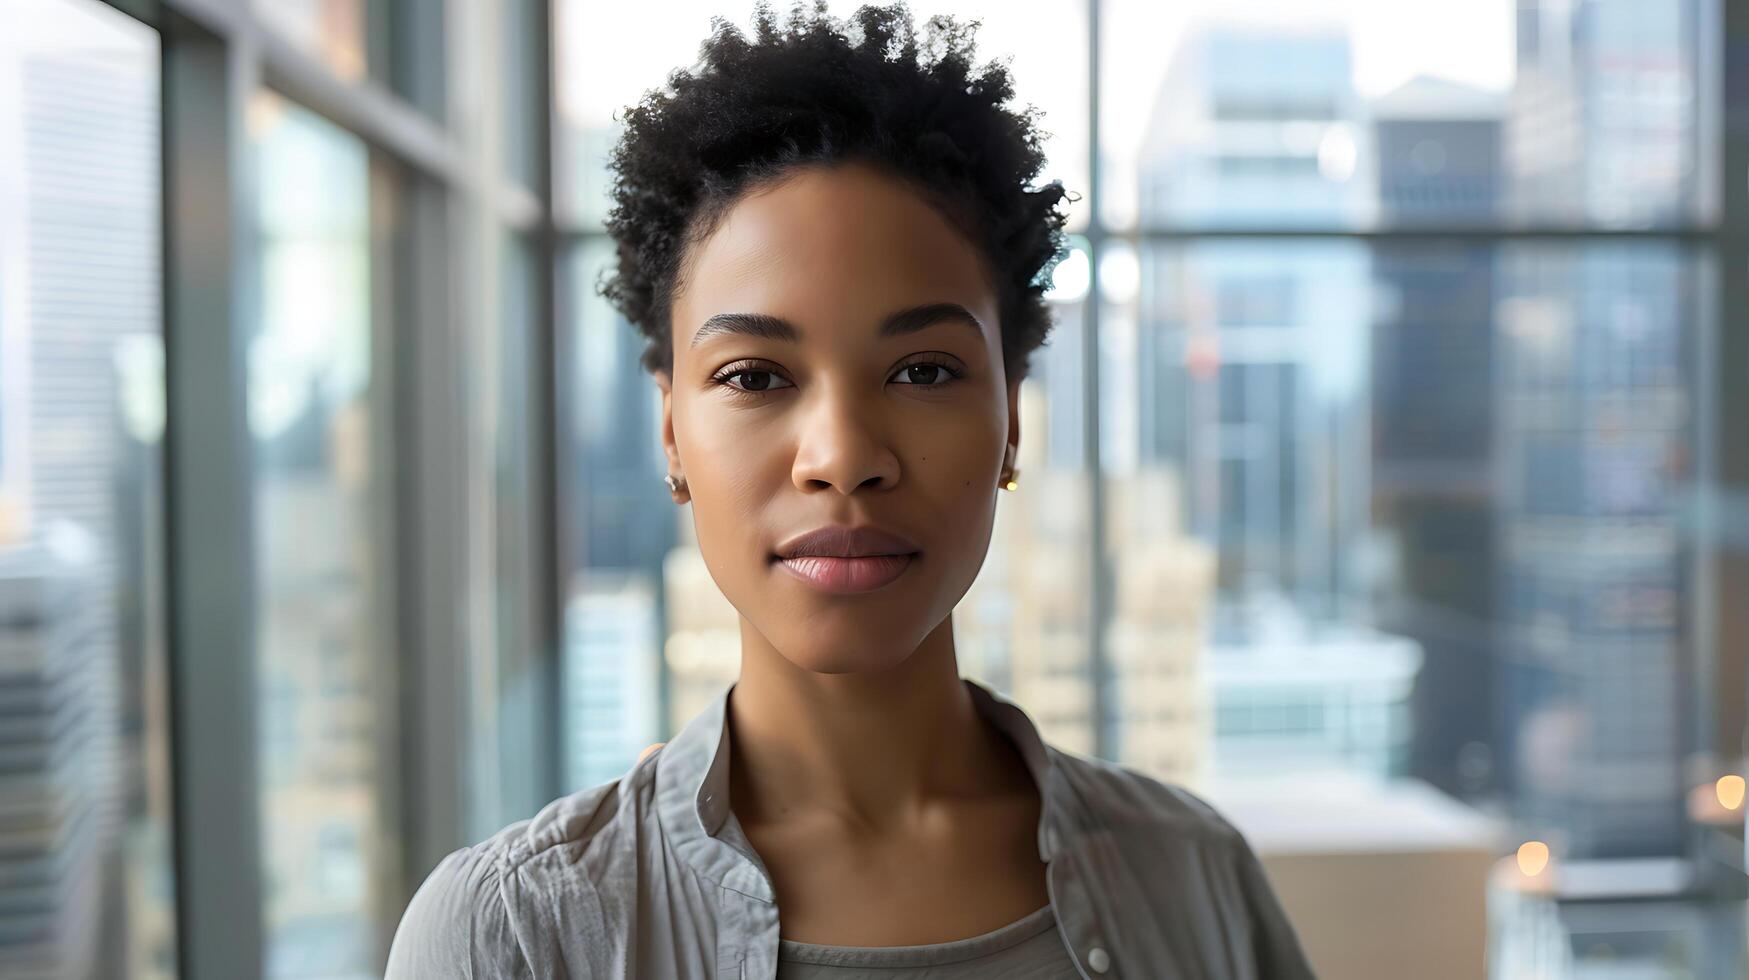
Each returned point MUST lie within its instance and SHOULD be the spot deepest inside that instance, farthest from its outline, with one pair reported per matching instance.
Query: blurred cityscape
(1401, 574)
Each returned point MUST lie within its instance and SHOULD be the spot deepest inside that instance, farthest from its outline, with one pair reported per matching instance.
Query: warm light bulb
(1730, 790)
(1533, 857)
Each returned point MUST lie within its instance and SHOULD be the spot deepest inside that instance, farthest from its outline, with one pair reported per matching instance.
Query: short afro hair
(819, 92)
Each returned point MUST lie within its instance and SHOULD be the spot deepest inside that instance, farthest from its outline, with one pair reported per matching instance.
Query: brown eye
(926, 374)
(753, 380)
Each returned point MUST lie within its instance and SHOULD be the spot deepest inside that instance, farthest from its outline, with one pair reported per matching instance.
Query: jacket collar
(692, 791)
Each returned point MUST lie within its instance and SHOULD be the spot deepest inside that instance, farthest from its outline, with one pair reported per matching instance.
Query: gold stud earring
(1011, 481)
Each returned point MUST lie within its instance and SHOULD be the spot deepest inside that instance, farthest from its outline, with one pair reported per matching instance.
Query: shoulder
(1116, 796)
(1150, 812)
(488, 909)
(458, 923)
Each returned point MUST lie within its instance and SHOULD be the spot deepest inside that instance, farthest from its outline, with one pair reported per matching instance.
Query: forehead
(824, 243)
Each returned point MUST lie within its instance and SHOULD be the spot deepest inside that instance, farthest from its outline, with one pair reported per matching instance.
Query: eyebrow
(896, 324)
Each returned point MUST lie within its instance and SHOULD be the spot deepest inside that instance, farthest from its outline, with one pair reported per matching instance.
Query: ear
(1014, 417)
(669, 449)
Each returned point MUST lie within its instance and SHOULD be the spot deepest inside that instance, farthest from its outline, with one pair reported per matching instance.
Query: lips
(846, 541)
(842, 559)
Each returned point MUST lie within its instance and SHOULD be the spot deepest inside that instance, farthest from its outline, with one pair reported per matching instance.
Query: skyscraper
(1254, 353)
(1252, 360)
(1433, 452)
(1593, 423)
(79, 285)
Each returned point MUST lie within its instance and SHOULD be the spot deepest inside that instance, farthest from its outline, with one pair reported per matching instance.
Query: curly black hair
(820, 92)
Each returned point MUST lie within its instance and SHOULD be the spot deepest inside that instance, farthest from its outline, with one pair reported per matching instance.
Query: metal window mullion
(1381, 237)
(1421, 235)
(474, 278)
(386, 854)
(429, 548)
(1726, 621)
(209, 299)
(545, 429)
(522, 657)
(1105, 720)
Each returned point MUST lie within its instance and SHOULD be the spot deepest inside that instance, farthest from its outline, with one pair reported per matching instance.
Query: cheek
(957, 452)
(952, 467)
(734, 467)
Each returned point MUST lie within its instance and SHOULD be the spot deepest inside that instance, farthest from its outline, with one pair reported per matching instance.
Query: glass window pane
(1024, 626)
(1228, 442)
(1391, 521)
(85, 866)
(512, 437)
(1413, 512)
(1224, 114)
(620, 584)
(324, 702)
(409, 50)
(524, 36)
(608, 55)
(1595, 425)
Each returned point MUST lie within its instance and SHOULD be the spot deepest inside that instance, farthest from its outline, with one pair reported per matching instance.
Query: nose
(842, 444)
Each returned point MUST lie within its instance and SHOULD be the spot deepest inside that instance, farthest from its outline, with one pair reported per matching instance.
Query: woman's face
(799, 400)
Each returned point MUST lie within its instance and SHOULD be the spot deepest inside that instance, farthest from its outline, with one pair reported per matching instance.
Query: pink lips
(842, 558)
(847, 575)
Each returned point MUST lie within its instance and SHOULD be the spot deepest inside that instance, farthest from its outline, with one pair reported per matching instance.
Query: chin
(818, 653)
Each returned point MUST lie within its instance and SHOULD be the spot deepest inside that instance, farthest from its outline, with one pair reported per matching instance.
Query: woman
(826, 237)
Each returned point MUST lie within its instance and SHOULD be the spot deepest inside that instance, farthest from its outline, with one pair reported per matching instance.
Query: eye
(926, 374)
(756, 380)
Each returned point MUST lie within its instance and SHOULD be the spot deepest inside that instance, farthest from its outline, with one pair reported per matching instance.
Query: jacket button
(1099, 959)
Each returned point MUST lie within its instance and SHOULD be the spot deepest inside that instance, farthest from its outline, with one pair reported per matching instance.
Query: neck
(875, 751)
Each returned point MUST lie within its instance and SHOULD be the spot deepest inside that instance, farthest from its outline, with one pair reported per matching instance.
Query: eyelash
(751, 367)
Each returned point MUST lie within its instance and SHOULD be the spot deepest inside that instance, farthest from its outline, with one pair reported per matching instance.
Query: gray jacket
(650, 875)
